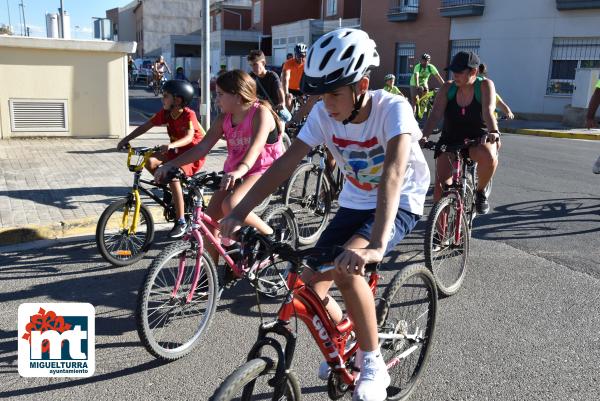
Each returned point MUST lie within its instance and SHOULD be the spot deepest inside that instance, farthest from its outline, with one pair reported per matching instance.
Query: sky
(81, 12)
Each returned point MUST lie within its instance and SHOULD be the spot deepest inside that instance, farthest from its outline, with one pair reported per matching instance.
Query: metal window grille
(456, 3)
(404, 52)
(404, 6)
(568, 54)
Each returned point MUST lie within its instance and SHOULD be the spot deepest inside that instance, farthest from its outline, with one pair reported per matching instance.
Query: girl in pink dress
(253, 143)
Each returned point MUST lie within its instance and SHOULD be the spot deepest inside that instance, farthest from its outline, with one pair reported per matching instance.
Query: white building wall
(127, 23)
(516, 43)
(286, 36)
(183, 18)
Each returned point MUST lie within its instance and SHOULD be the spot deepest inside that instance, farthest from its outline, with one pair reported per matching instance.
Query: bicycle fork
(197, 269)
(135, 193)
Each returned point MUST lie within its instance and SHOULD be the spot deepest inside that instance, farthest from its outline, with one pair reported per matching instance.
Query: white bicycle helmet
(339, 58)
(300, 49)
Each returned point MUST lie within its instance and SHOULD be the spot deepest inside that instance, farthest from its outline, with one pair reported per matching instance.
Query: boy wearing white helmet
(373, 137)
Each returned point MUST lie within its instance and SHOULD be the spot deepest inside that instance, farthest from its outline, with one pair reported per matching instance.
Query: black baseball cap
(463, 61)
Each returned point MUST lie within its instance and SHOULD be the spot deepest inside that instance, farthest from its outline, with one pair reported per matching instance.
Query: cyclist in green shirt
(419, 81)
(389, 85)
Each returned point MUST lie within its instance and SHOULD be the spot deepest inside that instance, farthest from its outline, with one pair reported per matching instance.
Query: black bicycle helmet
(180, 88)
(426, 56)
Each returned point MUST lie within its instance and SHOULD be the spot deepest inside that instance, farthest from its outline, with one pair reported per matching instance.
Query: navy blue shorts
(349, 222)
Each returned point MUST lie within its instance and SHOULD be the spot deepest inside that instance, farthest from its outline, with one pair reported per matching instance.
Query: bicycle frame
(460, 166)
(200, 227)
(302, 302)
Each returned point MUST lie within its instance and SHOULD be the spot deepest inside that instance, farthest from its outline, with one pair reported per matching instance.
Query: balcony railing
(577, 4)
(403, 10)
(462, 8)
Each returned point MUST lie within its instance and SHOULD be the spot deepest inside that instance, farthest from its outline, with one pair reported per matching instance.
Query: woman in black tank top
(467, 105)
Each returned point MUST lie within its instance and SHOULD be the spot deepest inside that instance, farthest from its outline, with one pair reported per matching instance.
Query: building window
(256, 12)
(404, 53)
(568, 54)
(331, 7)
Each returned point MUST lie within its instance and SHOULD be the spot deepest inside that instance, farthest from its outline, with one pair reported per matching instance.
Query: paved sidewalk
(553, 129)
(55, 188)
(51, 188)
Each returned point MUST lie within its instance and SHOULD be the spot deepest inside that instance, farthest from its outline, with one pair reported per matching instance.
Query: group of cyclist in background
(371, 135)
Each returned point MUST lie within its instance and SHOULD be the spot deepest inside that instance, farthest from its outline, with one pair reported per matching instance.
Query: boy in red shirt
(184, 133)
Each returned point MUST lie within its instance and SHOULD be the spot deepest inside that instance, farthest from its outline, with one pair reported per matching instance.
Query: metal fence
(568, 54)
(403, 6)
(455, 3)
(405, 52)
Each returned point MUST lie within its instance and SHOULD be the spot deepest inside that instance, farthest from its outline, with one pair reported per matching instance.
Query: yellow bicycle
(126, 228)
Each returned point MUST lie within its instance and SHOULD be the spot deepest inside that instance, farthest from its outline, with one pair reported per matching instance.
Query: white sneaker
(596, 169)
(373, 381)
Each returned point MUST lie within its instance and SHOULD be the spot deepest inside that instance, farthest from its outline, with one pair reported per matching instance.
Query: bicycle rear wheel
(444, 255)
(311, 212)
(254, 381)
(409, 310)
(116, 244)
(168, 325)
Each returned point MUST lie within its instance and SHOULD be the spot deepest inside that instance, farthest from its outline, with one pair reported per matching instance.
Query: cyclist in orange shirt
(292, 73)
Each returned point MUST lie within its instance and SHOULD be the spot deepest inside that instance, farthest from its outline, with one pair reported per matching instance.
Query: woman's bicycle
(310, 192)
(181, 289)
(451, 219)
(406, 316)
(125, 229)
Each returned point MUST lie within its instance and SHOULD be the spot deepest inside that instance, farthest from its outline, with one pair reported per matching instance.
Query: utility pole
(62, 21)
(205, 71)
(8, 11)
(22, 15)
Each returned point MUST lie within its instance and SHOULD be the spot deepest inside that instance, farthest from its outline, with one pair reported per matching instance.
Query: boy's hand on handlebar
(353, 261)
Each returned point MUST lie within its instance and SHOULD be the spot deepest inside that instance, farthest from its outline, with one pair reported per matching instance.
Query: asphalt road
(525, 325)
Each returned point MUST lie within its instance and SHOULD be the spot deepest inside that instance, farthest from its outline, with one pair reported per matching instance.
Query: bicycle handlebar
(432, 145)
(318, 259)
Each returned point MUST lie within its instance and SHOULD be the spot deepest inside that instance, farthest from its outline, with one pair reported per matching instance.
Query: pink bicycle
(180, 293)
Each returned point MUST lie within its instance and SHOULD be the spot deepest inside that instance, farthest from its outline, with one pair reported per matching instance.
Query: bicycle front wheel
(254, 381)
(116, 243)
(168, 324)
(445, 254)
(406, 320)
(311, 211)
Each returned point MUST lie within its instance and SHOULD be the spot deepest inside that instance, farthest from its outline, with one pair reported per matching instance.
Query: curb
(63, 229)
(553, 134)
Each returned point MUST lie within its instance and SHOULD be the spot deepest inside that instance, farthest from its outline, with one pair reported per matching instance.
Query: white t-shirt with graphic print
(359, 150)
